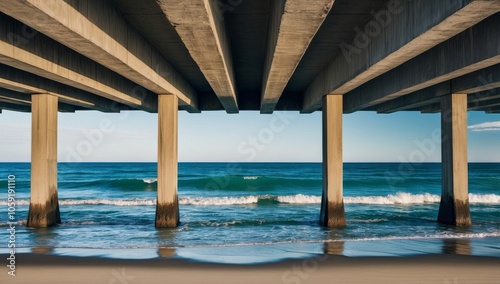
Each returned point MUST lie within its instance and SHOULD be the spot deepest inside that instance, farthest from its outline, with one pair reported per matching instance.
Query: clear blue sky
(248, 136)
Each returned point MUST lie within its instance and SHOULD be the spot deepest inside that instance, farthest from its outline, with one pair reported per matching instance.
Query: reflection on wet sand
(166, 252)
(43, 250)
(334, 248)
(166, 242)
(456, 246)
(45, 238)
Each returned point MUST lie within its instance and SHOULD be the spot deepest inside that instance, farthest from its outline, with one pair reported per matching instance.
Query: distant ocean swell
(224, 182)
(248, 182)
(401, 198)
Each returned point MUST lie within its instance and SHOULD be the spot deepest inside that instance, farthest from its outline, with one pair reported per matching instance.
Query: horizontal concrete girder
(478, 83)
(493, 110)
(469, 51)
(24, 82)
(473, 104)
(16, 101)
(15, 107)
(47, 58)
(200, 24)
(384, 45)
(482, 105)
(417, 99)
(482, 80)
(293, 25)
(485, 95)
(98, 31)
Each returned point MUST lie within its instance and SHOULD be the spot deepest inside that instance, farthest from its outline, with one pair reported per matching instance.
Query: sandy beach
(40, 268)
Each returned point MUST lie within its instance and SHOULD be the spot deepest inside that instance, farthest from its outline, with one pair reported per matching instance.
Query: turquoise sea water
(112, 206)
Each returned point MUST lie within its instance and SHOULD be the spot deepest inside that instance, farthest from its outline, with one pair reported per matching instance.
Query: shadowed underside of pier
(337, 56)
(234, 55)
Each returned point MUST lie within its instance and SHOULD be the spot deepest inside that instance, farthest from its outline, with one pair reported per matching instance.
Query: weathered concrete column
(332, 203)
(44, 204)
(454, 206)
(167, 207)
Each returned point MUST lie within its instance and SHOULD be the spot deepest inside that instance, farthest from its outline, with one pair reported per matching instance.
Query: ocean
(262, 210)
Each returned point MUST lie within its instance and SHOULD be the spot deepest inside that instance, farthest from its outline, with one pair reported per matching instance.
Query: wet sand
(48, 268)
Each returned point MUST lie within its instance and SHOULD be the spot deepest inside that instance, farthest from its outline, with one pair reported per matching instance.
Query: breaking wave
(391, 199)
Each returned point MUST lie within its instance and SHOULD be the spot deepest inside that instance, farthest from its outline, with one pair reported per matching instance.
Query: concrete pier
(454, 206)
(167, 207)
(332, 203)
(44, 205)
(339, 56)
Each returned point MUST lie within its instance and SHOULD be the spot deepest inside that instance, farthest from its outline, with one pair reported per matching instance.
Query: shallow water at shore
(257, 207)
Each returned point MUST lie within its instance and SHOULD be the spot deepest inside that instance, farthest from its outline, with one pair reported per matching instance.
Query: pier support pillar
(332, 203)
(167, 207)
(454, 206)
(44, 204)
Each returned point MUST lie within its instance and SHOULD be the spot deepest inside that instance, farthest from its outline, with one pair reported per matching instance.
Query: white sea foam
(398, 198)
(114, 202)
(391, 199)
(433, 236)
(149, 180)
(299, 199)
(219, 200)
(369, 220)
(251, 177)
(484, 198)
(408, 198)
(18, 202)
(20, 222)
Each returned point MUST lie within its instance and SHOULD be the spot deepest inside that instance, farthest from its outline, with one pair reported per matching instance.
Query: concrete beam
(23, 101)
(477, 101)
(15, 97)
(454, 206)
(484, 96)
(15, 107)
(486, 104)
(332, 203)
(493, 110)
(479, 81)
(63, 107)
(292, 26)
(44, 204)
(478, 85)
(434, 108)
(46, 58)
(384, 45)
(167, 207)
(424, 97)
(200, 24)
(98, 31)
(24, 82)
(469, 51)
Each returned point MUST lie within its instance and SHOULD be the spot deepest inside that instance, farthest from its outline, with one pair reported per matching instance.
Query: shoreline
(262, 253)
(436, 268)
